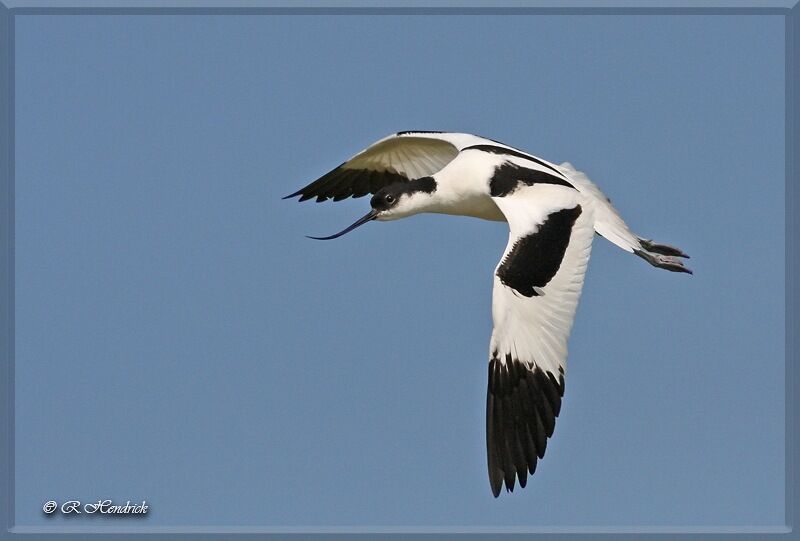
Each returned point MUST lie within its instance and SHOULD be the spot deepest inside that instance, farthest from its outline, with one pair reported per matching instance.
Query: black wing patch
(509, 176)
(512, 152)
(342, 183)
(522, 403)
(535, 258)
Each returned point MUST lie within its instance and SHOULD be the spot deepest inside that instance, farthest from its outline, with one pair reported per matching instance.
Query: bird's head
(395, 201)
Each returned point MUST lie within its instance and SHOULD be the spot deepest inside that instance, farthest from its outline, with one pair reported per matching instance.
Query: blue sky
(179, 340)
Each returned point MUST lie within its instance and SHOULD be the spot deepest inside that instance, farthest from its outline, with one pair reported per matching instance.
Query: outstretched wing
(400, 157)
(397, 158)
(536, 289)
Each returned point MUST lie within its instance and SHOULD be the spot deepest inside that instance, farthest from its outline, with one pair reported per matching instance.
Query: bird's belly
(475, 207)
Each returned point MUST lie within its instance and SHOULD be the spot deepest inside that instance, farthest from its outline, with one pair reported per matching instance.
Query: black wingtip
(304, 197)
(295, 194)
(522, 403)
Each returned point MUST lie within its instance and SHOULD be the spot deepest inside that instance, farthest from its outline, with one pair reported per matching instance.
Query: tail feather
(607, 221)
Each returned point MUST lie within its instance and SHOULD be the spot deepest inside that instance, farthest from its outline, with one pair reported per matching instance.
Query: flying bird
(553, 212)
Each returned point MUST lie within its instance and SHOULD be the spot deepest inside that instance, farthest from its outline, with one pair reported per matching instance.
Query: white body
(463, 180)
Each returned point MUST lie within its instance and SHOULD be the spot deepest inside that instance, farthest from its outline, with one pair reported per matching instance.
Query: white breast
(462, 187)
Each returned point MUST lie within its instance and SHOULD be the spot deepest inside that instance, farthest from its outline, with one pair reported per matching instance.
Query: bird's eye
(389, 198)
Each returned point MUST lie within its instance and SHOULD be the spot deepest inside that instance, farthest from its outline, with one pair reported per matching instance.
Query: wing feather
(397, 158)
(536, 289)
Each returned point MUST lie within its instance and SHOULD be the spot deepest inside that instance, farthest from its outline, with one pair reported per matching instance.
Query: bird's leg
(663, 249)
(662, 256)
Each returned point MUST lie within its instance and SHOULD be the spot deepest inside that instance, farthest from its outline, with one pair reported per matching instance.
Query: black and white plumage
(553, 212)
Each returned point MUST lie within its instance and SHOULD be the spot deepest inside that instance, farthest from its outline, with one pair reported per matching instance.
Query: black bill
(371, 215)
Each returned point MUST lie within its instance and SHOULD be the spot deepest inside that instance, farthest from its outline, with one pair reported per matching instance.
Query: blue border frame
(275, 7)
(792, 168)
(7, 260)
